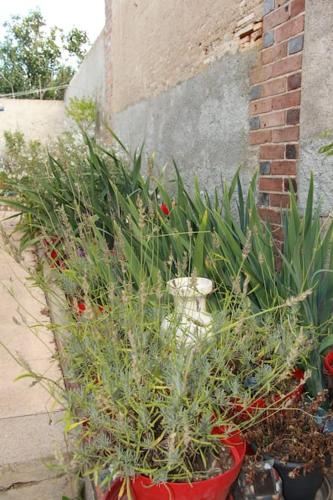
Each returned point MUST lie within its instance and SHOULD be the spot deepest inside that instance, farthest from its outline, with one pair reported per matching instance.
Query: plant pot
(244, 413)
(215, 488)
(301, 487)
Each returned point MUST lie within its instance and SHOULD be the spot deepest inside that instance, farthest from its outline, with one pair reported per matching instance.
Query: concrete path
(31, 434)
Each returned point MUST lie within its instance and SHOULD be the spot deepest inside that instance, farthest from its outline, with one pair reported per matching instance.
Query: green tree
(35, 57)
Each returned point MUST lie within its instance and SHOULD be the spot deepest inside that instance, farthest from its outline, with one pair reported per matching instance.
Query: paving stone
(31, 432)
(27, 445)
(51, 489)
(25, 397)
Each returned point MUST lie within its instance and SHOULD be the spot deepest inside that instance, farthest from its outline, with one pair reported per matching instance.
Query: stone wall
(202, 123)
(221, 83)
(41, 120)
(178, 79)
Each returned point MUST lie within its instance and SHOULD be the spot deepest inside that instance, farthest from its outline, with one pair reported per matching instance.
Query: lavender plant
(139, 400)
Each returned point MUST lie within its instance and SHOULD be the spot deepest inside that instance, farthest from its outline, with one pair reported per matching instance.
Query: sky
(87, 15)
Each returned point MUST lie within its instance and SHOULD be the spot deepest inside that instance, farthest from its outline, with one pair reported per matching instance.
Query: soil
(218, 463)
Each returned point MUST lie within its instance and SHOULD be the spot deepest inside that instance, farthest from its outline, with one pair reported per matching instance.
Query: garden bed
(154, 364)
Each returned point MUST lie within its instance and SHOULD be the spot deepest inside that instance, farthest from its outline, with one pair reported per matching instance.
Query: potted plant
(297, 441)
(153, 407)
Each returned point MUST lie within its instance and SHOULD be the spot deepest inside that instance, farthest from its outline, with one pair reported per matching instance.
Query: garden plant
(143, 405)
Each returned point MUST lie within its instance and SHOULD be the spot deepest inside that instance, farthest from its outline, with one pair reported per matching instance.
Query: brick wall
(275, 105)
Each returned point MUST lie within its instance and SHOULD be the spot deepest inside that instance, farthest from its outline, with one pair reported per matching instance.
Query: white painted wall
(89, 81)
(37, 119)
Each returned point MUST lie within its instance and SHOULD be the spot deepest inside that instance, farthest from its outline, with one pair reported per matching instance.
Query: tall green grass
(218, 235)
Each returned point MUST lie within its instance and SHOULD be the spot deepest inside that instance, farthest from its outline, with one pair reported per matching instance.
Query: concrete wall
(89, 81)
(178, 74)
(42, 120)
(202, 123)
(158, 44)
(317, 103)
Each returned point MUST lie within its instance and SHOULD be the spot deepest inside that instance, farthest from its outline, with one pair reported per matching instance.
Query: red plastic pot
(244, 413)
(328, 363)
(215, 488)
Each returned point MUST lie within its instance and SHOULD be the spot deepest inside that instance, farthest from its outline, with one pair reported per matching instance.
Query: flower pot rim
(238, 456)
(184, 287)
(293, 465)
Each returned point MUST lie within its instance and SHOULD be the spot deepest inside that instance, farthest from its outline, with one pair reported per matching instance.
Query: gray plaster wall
(202, 123)
(317, 104)
(89, 81)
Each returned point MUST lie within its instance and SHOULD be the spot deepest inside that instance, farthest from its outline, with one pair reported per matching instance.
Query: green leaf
(325, 344)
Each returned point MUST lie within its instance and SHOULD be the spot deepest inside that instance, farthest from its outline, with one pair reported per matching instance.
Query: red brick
(293, 116)
(260, 137)
(289, 29)
(292, 151)
(258, 75)
(270, 215)
(286, 65)
(278, 16)
(274, 87)
(279, 200)
(286, 134)
(297, 6)
(283, 101)
(277, 232)
(272, 119)
(289, 100)
(287, 182)
(274, 53)
(256, 35)
(245, 39)
(278, 258)
(272, 152)
(284, 167)
(278, 245)
(262, 106)
(294, 81)
(270, 184)
(278, 3)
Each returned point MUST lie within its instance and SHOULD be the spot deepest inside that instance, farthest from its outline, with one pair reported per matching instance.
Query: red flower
(298, 374)
(54, 254)
(328, 363)
(81, 307)
(164, 209)
(103, 309)
(52, 241)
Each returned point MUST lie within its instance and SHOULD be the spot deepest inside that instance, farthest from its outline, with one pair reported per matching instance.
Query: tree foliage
(34, 56)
